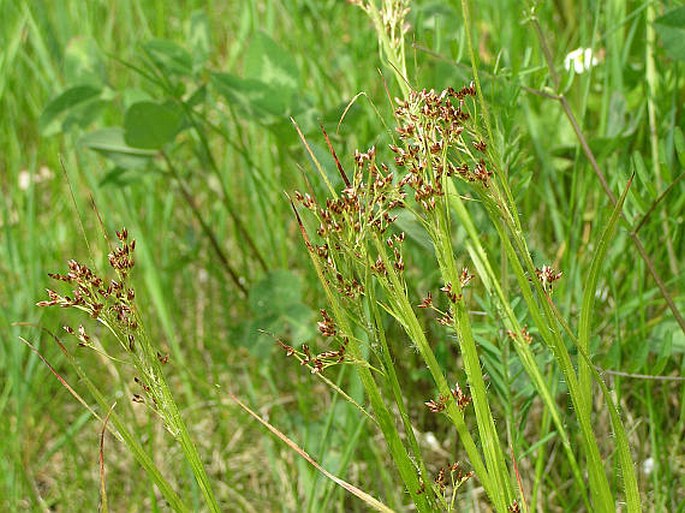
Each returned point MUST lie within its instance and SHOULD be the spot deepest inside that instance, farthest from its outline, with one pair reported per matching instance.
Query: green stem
(492, 449)
(398, 451)
(402, 310)
(522, 348)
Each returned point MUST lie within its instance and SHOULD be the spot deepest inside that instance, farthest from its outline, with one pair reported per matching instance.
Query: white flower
(581, 59)
(24, 179)
(648, 466)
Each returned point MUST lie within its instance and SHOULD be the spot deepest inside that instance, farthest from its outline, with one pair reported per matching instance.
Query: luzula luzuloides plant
(442, 138)
(359, 259)
(112, 303)
(358, 256)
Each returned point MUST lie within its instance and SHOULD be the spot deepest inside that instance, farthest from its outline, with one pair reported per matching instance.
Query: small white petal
(580, 59)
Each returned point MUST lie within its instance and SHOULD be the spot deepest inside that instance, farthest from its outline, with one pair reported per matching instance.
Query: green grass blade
(121, 430)
(586, 370)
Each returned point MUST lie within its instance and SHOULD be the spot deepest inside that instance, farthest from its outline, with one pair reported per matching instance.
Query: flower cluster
(345, 223)
(316, 363)
(547, 276)
(456, 474)
(446, 318)
(439, 405)
(112, 303)
(525, 335)
(514, 507)
(438, 141)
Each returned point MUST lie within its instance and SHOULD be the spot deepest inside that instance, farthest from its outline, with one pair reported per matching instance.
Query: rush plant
(446, 155)
(490, 355)
(112, 304)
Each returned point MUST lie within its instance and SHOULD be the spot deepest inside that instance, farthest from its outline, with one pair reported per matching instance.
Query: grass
(576, 395)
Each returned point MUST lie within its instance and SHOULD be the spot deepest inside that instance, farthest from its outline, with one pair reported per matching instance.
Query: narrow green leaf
(587, 308)
(110, 143)
(257, 100)
(645, 177)
(272, 65)
(169, 57)
(586, 370)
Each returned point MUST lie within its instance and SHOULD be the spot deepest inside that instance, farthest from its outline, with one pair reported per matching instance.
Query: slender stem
(402, 310)
(245, 234)
(398, 450)
(188, 197)
(489, 437)
(527, 358)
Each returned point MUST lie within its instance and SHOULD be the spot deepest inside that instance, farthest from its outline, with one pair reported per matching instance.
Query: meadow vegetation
(378, 255)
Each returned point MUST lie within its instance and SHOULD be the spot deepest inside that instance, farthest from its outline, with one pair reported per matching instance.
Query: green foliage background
(139, 106)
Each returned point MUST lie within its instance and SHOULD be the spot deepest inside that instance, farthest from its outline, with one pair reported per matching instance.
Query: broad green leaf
(69, 99)
(110, 143)
(151, 125)
(84, 115)
(297, 324)
(269, 63)
(275, 302)
(671, 29)
(198, 96)
(276, 293)
(120, 177)
(255, 99)
(301, 320)
(132, 95)
(267, 93)
(169, 57)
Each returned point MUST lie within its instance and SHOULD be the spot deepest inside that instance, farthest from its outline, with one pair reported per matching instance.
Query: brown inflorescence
(514, 507)
(327, 326)
(432, 128)
(439, 405)
(427, 302)
(525, 335)
(319, 362)
(355, 227)
(547, 276)
(456, 474)
(437, 139)
(112, 303)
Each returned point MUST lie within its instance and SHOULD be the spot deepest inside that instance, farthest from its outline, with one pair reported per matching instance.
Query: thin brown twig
(335, 157)
(600, 175)
(188, 197)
